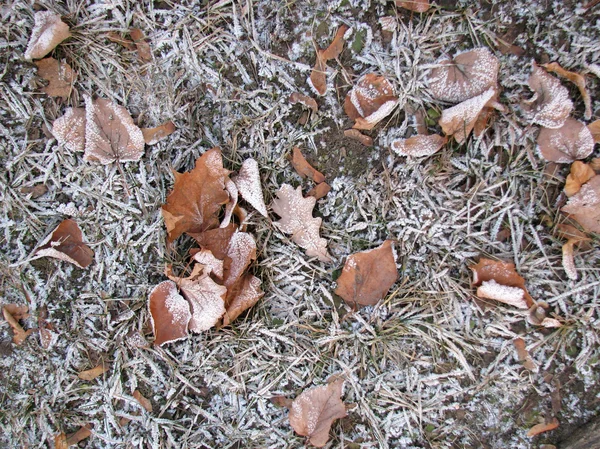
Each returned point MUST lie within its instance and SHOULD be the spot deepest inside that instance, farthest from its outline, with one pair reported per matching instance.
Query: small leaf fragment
(594, 128)
(83, 433)
(19, 334)
(35, 191)
(66, 243)
(501, 274)
(371, 100)
(458, 121)
(318, 76)
(584, 206)
(48, 31)
(60, 77)
(319, 191)
(248, 184)
(92, 373)
(145, 403)
(303, 168)
(305, 100)
(543, 427)
(337, 45)
(357, 135)
(155, 135)
(523, 354)
(579, 175)
(414, 5)
(143, 48)
(248, 294)
(169, 312)
(578, 80)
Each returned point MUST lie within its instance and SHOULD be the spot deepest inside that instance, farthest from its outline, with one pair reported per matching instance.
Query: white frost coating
(69, 129)
(388, 23)
(206, 301)
(566, 144)
(459, 120)
(177, 316)
(46, 34)
(249, 186)
(232, 190)
(241, 249)
(381, 113)
(568, 261)
(211, 264)
(418, 146)
(513, 296)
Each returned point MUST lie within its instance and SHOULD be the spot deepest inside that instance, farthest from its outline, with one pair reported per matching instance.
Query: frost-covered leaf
(467, 75)
(232, 191)
(579, 175)
(370, 101)
(571, 141)
(319, 191)
(305, 100)
(66, 243)
(60, 77)
(110, 134)
(458, 121)
(19, 334)
(550, 105)
(155, 135)
(296, 219)
(414, 5)
(314, 411)
(211, 264)
(197, 197)
(499, 281)
(419, 146)
(578, 80)
(368, 275)
(514, 296)
(48, 31)
(584, 206)
(169, 312)
(241, 252)
(244, 295)
(69, 129)
(249, 186)
(303, 168)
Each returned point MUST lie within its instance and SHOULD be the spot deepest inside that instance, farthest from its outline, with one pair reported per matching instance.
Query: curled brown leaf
(578, 80)
(65, 242)
(48, 31)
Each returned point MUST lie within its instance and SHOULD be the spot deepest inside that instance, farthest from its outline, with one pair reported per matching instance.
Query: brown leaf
(117, 38)
(246, 295)
(248, 184)
(467, 75)
(368, 275)
(573, 237)
(197, 197)
(419, 146)
(571, 141)
(60, 77)
(307, 101)
(594, 128)
(19, 334)
(319, 191)
(544, 427)
(60, 441)
(337, 45)
(303, 168)
(579, 175)
(595, 164)
(576, 79)
(240, 253)
(47, 33)
(83, 433)
(143, 48)
(318, 76)
(458, 121)
(314, 411)
(110, 134)
(357, 135)
(155, 135)
(550, 105)
(414, 5)
(36, 190)
(211, 264)
(281, 401)
(370, 101)
(145, 403)
(170, 313)
(584, 206)
(66, 243)
(91, 374)
(18, 312)
(523, 355)
(216, 240)
(499, 281)
(69, 130)
(296, 219)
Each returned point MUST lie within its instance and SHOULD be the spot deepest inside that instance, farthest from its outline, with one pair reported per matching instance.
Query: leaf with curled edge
(48, 31)
(499, 280)
(580, 174)
(197, 197)
(296, 219)
(572, 141)
(584, 206)
(110, 134)
(458, 121)
(314, 411)
(212, 265)
(303, 168)
(371, 100)
(578, 80)
(170, 313)
(69, 129)
(66, 243)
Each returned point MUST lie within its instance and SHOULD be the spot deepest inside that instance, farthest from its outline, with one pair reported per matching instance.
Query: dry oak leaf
(419, 146)
(169, 312)
(368, 275)
(314, 411)
(319, 191)
(248, 184)
(371, 100)
(584, 206)
(355, 134)
(567, 143)
(499, 281)
(414, 5)
(19, 334)
(579, 175)
(467, 75)
(578, 80)
(60, 77)
(458, 121)
(303, 168)
(550, 105)
(69, 129)
(92, 373)
(543, 427)
(66, 243)
(155, 135)
(305, 100)
(197, 197)
(48, 31)
(110, 134)
(296, 219)
(594, 128)
(247, 293)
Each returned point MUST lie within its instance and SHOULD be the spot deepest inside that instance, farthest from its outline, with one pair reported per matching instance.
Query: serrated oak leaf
(249, 186)
(48, 31)
(572, 141)
(303, 168)
(578, 80)
(243, 295)
(60, 77)
(314, 411)
(69, 129)
(368, 275)
(110, 134)
(158, 133)
(66, 243)
(499, 281)
(584, 206)
(414, 5)
(458, 121)
(419, 145)
(370, 101)
(579, 175)
(296, 219)
(169, 312)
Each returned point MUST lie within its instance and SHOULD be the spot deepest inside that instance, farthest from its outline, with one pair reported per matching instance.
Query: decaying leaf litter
(423, 365)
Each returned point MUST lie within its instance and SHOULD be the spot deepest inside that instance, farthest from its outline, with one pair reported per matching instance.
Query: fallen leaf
(305, 100)
(91, 374)
(414, 5)
(19, 334)
(337, 45)
(60, 77)
(145, 403)
(18, 312)
(303, 168)
(230, 206)
(170, 313)
(576, 79)
(458, 121)
(499, 281)
(579, 175)
(155, 135)
(296, 219)
(370, 101)
(523, 355)
(368, 275)
(550, 105)
(584, 206)
(248, 184)
(314, 411)
(69, 129)
(594, 128)
(357, 135)
(419, 146)
(48, 31)
(117, 38)
(215, 240)
(467, 75)
(246, 295)
(211, 264)
(319, 191)
(318, 75)
(197, 197)
(567, 143)
(110, 134)
(544, 427)
(66, 243)
(595, 164)
(281, 401)
(143, 48)
(83, 433)
(240, 253)
(36, 191)
(60, 441)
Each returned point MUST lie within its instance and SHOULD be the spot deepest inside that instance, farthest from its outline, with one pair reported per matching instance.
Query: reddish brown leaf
(18, 312)
(594, 128)
(197, 197)
(246, 295)
(368, 275)
(523, 354)
(370, 101)
(19, 334)
(240, 253)
(307, 101)
(357, 135)
(69, 130)
(584, 206)
(170, 313)
(60, 441)
(576, 79)
(36, 190)
(303, 168)
(66, 243)
(143, 48)
(318, 76)
(571, 141)
(155, 135)
(117, 38)
(499, 281)
(414, 5)
(337, 45)
(579, 175)
(419, 146)
(216, 240)
(83, 433)
(59, 75)
(281, 401)
(145, 403)
(91, 374)
(47, 33)
(319, 191)
(544, 427)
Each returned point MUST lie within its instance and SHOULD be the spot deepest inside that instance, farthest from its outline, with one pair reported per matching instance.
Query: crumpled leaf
(48, 31)
(550, 105)
(419, 145)
(578, 80)
(370, 101)
(303, 168)
(170, 313)
(584, 206)
(248, 183)
(60, 77)
(66, 243)
(244, 295)
(19, 334)
(305, 100)
(467, 75)
(537, 316)
(69, 129)
(579, 175)
(211, 264)
(197, 197)
(110, 134)
(499, 281)
(571, 141)
(414, 5)
(296, 219)
(368, 275)
(458, 121)
(155, 135)
(314, 411)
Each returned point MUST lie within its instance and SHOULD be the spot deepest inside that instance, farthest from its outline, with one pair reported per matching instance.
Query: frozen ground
(425, 368)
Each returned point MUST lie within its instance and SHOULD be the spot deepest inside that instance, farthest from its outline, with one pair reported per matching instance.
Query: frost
(514, 296)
